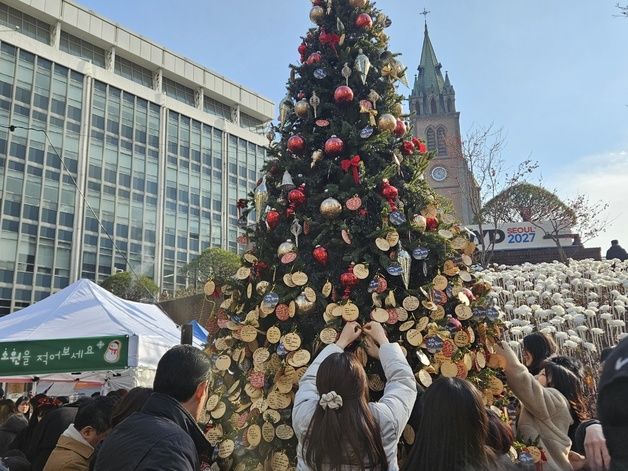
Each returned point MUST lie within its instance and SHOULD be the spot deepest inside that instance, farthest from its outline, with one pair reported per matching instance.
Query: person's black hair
(605, 353)
(540, 347)
(95, 413)
(614, 242)
(453, 431)
(570, 386)
(500, 437)
(180, 371)
(572, 364)
(7, 409)
(22, 400)
(96, 394)
(132, 402)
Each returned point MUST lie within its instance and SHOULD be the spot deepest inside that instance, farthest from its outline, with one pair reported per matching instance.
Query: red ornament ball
(297, 196)
(364, 21)
(432, 224)
(419, 145)
(400, 129)
(320, 255)
(313, 58)
(302, 51)
(388, 191)
(348, 279)
(334, 146)
(407, 148)
(296, 144)
(272, 219)
(343, 94)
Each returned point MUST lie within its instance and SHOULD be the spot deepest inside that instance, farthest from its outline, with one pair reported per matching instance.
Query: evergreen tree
(346, 229)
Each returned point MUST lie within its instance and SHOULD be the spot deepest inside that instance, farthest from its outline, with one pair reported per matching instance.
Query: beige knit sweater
(544, 413)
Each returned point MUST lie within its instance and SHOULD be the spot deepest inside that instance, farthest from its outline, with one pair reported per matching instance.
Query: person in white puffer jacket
(337, 428)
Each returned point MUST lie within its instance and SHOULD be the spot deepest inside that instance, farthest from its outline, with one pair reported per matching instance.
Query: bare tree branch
(481, 151)
(577, 218)
(623, 10)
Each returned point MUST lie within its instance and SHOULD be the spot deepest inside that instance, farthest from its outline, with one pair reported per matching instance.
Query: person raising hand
(333, 398)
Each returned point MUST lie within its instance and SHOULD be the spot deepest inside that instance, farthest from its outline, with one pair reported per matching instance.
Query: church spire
(430, 79)
(432, 93)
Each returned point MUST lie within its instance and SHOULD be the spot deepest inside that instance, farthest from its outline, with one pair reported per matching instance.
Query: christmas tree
(342, 227)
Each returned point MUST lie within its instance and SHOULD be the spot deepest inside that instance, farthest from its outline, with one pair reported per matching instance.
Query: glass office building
(115, 154)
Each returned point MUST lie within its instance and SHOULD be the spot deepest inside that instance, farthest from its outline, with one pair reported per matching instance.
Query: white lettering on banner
(516, 235)
(23, 357)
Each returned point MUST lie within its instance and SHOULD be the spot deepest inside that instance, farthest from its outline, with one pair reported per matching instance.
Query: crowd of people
(337, 428)
(141, 429)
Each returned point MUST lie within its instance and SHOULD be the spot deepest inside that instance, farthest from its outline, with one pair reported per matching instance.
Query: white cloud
(600, 177)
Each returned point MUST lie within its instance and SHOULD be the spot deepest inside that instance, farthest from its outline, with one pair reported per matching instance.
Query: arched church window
(441, 137)
(431, 139)
(450, 106)
(433, 106)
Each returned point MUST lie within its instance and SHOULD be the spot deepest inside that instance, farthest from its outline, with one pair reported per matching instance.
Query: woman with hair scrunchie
(336, 426)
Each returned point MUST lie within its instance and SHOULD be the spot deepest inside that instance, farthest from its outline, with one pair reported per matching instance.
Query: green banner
(63, 355)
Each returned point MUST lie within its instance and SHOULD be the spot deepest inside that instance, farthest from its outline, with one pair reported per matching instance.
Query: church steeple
(435, 119)
(430, 77)
(432, 94)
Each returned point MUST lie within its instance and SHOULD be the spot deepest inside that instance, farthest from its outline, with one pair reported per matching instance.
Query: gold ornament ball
(302, 108)
(330, 208)
(357, 3)
(317, 14)
(304, 306)
(419, 223)
(397, 109)
(285, 247)
(387, 122)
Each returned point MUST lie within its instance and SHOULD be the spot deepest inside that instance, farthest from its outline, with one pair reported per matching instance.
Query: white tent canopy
(84, 310)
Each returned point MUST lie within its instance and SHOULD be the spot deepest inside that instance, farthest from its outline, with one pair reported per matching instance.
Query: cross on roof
(425, 13)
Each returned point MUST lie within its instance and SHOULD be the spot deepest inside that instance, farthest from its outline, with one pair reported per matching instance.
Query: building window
(80, 48)
(25, 24)
(431, 139)
(134, 72)
(433, 106)
(178, 92)
(441, 137)
(216, 108)
(252, 124)
(450, 105)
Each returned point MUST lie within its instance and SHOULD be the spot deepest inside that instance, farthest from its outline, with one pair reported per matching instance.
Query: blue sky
(553, 74)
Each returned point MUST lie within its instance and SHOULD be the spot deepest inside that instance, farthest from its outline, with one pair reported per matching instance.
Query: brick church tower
(433, 103)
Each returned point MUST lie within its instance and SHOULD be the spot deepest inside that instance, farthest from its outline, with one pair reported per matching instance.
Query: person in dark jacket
(616, 251)
(612, 406)
(164, 434)
(16, 461)
(47, 433)
(76, 445)
(41, 405)
(9, 430)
